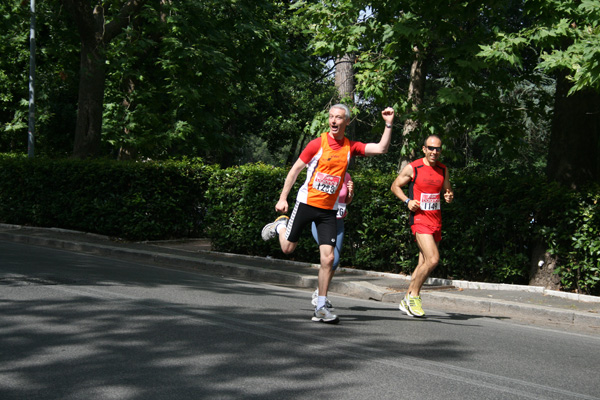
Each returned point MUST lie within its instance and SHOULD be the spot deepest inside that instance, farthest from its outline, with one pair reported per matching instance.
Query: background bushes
(488, 231)
(241, 200)
(137, 201)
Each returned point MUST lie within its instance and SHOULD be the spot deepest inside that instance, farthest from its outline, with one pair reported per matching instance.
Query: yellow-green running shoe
(412, 306)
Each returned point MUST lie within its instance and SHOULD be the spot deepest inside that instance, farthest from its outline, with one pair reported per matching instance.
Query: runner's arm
(447, 188)
(282, 204)
(403, 178)
(372, 149)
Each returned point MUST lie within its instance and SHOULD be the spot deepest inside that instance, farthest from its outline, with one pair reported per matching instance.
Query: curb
(357, 289)
(503, 308)
(522, 288)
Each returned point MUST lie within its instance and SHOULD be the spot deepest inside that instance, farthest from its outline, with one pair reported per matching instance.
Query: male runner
(326, 159)
(427, 179)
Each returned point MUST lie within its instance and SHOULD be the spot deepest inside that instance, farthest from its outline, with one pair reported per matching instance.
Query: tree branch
(114, 27)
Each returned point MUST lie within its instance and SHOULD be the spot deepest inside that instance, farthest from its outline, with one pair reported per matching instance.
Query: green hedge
(241, 200)
(488, 231)
(488, 228)
(139, 201)
(569, 222)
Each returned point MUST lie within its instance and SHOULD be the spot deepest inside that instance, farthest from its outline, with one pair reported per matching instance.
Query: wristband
(388, 125)
(406, 202)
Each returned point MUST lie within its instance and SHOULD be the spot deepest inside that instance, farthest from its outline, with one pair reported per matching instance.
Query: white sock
(279, 227)
(321, 301)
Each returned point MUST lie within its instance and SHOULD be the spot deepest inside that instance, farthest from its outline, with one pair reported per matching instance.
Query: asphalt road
(75, 326)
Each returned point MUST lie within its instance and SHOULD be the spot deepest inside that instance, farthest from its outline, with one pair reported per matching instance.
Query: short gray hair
(343, 107)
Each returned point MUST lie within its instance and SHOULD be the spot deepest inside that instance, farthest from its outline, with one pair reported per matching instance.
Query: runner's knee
(288, 247)
(327, 259)
(434, 260)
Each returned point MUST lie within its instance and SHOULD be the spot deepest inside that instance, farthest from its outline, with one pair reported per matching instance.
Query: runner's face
(337, 122)
(432, 154)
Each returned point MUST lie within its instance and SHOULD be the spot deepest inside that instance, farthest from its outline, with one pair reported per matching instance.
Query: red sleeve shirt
(356, 148)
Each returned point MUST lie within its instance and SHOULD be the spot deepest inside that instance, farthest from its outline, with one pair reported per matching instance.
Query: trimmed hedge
(488, 231)
(137, 201)
(241, 200)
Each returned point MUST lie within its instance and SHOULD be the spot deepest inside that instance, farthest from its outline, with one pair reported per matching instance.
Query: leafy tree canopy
(566, 36)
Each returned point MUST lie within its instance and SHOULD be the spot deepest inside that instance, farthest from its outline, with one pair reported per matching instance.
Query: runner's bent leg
(286, 246)
(292, 229)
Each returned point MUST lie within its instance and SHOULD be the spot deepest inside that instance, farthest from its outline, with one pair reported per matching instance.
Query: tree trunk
(541, 270)
(95, 35)
(344, 77)
(574, 153)
(416, 93)
(88, 129)
(345, 85)
(127, 151)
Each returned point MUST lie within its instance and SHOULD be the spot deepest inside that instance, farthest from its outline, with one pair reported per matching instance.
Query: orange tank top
(325, 175)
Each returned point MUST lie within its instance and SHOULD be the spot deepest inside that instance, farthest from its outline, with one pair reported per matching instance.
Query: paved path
(525, 303)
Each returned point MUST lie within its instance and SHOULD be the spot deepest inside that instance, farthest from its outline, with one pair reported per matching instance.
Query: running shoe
(315, 301)
(412, 306)
(269, 231)
(324, 315)
(404, 307)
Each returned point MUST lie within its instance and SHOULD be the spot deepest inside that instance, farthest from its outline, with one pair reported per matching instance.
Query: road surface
(75, 326)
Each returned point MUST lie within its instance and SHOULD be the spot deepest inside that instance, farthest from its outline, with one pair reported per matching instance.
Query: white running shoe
(269, 230)
(324, 315)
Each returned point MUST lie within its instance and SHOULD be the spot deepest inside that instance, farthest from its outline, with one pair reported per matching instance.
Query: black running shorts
(303, 215)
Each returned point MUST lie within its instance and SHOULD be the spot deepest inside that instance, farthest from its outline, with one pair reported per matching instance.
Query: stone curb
(358, 289)
(503, 308)
(522, 288)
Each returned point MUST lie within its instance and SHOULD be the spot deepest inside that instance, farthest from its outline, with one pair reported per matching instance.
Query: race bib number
(430, 201)
(341, 210)
(326, 183)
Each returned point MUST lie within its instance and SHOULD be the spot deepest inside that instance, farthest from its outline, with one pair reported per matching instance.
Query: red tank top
(426, 187)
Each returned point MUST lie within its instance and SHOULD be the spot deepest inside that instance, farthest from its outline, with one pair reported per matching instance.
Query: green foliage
(570, 222)
(217, 79)
(375, 238)
(488, 230)
(241, 201)
(488, 227)
(472, 104)
(567, 36)
(57, 60)
(239, 81)
(130, 200)
(14, 65)
(230, 81)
